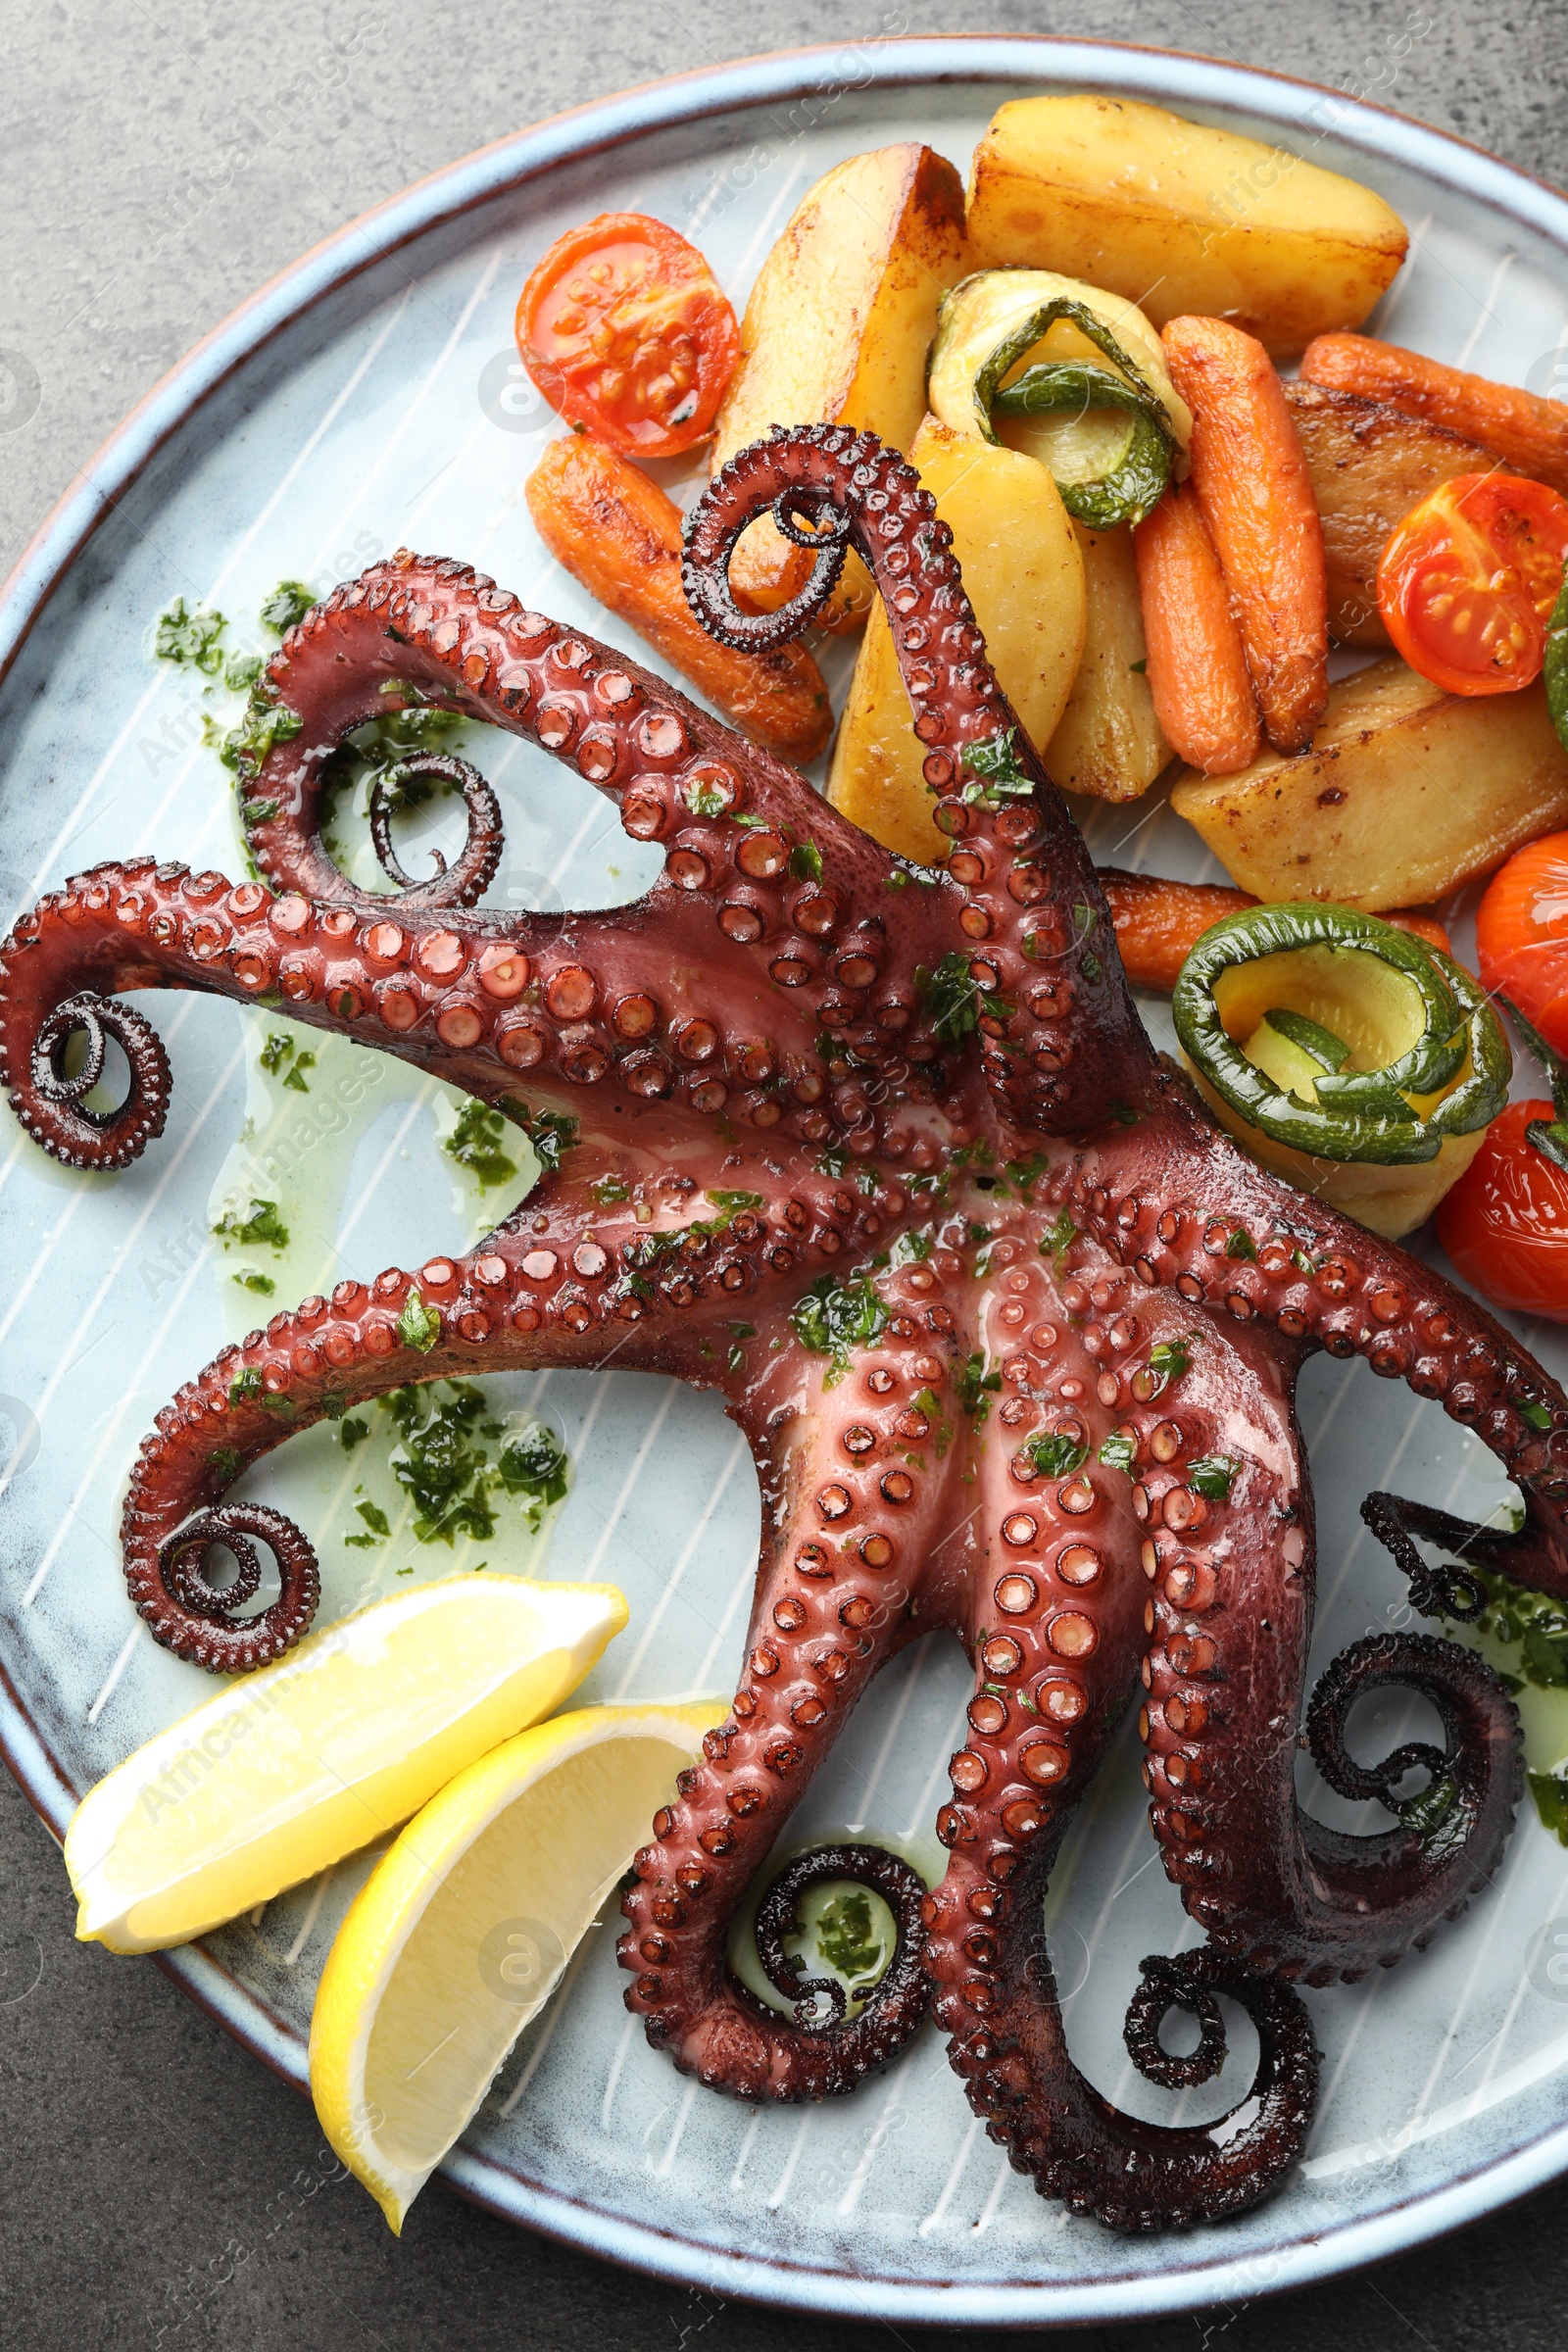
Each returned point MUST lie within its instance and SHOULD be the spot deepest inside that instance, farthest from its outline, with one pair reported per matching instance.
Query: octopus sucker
(1013, 1332)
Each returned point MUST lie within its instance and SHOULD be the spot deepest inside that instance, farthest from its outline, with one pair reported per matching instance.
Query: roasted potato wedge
(836, 331)
(1108, 741)
(1370, 464)
(1024, 574)
(1179, 218)
(1405, 792)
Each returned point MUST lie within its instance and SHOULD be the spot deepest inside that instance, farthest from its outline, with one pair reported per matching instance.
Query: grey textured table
(136, 2135)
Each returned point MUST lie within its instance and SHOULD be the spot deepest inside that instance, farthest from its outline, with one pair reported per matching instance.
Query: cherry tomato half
(1506, 1222)
(1522, 936)
(1468, 580)
(623, 328)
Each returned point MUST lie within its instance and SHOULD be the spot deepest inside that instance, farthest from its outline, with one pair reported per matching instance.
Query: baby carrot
(1256, 492)
(1530, 433)
(1197, 667)
(1159, 923)
(618, 533)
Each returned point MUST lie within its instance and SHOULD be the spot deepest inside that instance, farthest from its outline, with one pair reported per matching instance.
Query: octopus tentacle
(422, 629)
(1185, 1207)
(1274, 1887)
(1445, 1590)
(598, 1015)
(1099, 2160)
(53, 1103)
(1018, 1785)
(1028, 924)
(1058, 1626)
(1478, 1770)
(853, 1526)
(1228, 1556)
(558, 1284)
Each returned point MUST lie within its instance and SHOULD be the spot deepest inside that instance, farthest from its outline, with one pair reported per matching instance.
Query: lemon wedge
(298, 1764)
(461, 1932)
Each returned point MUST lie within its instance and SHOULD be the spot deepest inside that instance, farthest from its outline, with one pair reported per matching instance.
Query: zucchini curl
(1113, 424)
(1344, 1054)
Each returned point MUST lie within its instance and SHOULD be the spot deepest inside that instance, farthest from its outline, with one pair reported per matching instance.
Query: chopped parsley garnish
(1060, 1239)
(191, 638)
(928, 1402)
(1024, 1174)
(446, 1476)
(1168, 1359)
(351, 1432)
(647, 1249)
(1551, 1803)
(535, 1465)
(262, 1284)
(1117, 1452)
(950, 997)
(418, 1325)
(1530, 1622)
(444, 1466)
(995, 764)
(225, 1465)
(1431, 1814)
(551, 1133)
(1055, 1455)
(909, 1250)
(278, 1053)
(1538, 1415)
(1242, 1245)
(1211, 1475)
(606, 1190)
(1085, 923)
(287, 605)
(262, 1228)
(833, 1317)
(806, 862)
(245, 1389)
(977, 1386)
(846, 1937)
(475, 1145)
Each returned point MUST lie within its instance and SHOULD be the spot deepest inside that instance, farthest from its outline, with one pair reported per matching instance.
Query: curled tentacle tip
(54, 1099)
(196, 1618)
(461, 884)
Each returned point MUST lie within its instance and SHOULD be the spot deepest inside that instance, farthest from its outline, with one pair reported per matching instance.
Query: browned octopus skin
(880, 1062)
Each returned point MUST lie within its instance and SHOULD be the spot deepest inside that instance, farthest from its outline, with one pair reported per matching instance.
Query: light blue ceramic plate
(368, 398)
